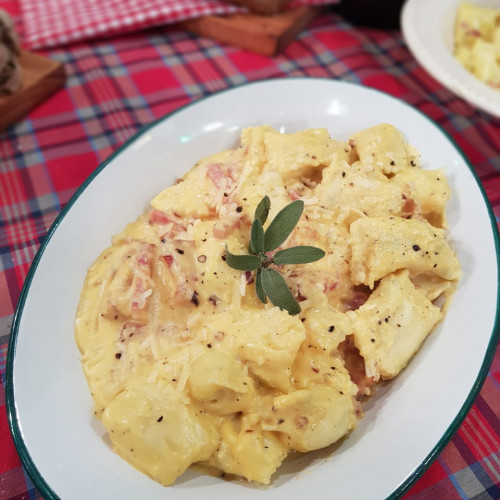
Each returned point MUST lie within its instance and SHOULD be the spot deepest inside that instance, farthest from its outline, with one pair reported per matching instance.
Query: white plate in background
(407, 422)
(427, 27)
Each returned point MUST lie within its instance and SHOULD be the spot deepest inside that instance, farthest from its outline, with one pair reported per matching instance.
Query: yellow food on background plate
(477, 41)
(186, 358)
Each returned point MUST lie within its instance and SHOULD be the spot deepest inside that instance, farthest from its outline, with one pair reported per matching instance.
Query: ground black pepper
(213, 299)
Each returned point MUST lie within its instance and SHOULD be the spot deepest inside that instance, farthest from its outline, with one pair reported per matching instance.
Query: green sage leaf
(282, 225)
(259, 290)
(275, 287)
(262, 210)
(298, 255)
(242, 262)
(257, 236)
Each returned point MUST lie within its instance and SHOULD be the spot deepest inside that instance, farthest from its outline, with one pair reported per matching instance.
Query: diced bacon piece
(329, 285)
(168, 259)
(222, 177)
(359, 296)
(158, 217)
(170, 224)
(217, 176)
(474, 33)
(143, 260)
(408, 208)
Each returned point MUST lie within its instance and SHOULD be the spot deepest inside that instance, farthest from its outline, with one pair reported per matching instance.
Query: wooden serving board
(41, 77)
(264, 34)
(263, 6)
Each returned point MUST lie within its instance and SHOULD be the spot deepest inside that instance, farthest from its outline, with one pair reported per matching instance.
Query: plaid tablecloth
(117, 86)
(48, 23)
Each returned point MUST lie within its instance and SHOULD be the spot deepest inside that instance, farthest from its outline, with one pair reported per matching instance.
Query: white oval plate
(408, 421)
(427, 27)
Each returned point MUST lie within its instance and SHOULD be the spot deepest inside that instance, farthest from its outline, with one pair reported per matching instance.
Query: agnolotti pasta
(186, 365)
(476, 36)
(381, 245)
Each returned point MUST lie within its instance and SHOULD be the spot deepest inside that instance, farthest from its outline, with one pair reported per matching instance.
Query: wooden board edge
(41, 78)
(265, 35)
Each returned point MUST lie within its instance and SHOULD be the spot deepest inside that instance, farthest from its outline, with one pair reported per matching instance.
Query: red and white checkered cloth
(49, 23)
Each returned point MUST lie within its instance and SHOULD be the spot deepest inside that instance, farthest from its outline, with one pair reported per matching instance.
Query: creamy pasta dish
(186, 365)
(477, 41)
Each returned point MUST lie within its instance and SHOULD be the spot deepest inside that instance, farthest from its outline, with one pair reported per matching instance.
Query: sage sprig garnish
(269, 283)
